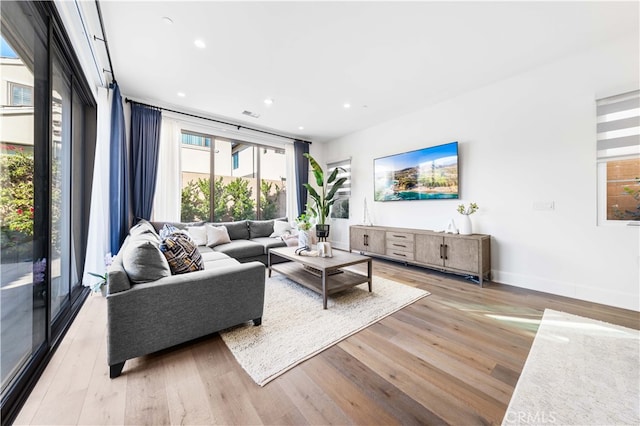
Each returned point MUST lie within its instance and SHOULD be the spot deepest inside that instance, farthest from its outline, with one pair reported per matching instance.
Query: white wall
(523, 140)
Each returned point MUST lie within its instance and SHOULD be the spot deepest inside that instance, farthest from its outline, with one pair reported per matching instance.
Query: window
(196, 140)
(340, 209)
(221, 185)
(20, 95)
(618, 156)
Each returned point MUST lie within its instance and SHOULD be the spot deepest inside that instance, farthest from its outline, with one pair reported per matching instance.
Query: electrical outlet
(543, 205)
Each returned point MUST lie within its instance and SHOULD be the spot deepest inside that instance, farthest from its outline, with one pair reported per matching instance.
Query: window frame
(12, 85)
(616, 140)
(204, 130)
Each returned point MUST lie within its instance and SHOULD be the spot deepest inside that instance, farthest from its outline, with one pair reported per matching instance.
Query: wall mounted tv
(425, 174)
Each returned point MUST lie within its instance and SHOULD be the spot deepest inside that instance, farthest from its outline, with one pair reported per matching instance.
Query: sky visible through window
(5, 50)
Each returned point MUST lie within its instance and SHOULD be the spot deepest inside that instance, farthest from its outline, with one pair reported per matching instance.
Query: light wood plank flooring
(451, 358)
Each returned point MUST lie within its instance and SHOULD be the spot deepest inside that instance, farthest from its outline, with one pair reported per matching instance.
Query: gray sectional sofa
(149, 309)
(250, 239)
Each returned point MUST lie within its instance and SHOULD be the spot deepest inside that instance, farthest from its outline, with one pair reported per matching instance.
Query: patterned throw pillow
(182, 254)
(167, 229)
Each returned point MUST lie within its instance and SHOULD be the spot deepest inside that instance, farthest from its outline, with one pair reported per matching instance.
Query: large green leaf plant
(321, 199)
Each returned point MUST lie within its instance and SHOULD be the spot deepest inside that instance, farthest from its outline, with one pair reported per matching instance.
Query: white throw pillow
(198, 234)
(217, 235)
(280, 228)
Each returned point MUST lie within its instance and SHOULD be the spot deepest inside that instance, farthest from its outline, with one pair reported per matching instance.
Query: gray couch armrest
(172, 310)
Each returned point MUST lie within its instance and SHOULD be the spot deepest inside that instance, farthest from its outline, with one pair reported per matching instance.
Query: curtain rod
(238, 126)
(104, 40)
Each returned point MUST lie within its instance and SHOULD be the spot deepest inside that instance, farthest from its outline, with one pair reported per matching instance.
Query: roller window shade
(618, 120)
(345, 191)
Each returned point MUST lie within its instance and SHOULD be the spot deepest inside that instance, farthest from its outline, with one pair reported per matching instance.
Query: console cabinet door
(357, 239)
(463, 254)
(367, 240)
(429, 249)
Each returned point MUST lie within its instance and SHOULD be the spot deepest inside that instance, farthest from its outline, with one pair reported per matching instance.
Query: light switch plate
(543, 205)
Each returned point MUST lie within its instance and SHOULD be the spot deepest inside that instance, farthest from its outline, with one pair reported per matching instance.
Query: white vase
(464, 225)
(304, 238)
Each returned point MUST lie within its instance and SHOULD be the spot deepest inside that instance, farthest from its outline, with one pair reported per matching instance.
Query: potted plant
(99, 286)
(322, 199)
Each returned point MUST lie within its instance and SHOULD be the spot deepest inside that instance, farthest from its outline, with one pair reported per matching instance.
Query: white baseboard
(602, 295)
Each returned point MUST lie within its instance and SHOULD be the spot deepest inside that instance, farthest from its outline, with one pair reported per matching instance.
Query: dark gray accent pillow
(237, 230)
(143, 261)
(142, 227)
(260, 228)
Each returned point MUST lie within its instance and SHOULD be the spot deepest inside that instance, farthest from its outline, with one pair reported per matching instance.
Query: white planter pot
(464, 225)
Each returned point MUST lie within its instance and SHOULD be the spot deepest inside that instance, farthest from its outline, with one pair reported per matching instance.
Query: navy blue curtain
(118, 175)
(145, 144)
(302, 173)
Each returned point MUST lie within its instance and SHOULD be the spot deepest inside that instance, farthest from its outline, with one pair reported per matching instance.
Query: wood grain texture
(451, 358)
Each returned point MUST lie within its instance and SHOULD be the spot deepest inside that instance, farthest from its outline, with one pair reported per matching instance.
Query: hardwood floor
(451, 358)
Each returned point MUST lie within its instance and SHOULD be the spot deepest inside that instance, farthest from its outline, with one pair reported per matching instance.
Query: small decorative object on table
(303, 222)
(465, 222)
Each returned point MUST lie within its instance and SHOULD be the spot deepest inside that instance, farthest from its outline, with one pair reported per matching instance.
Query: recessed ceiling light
(300, 127)
(268, 101)
(181, 94)
(167, 20)
(347, 105)
(199, 43)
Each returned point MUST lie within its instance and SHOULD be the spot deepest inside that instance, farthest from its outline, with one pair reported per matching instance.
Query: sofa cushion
(143, 226)
(217, 235)
(239, 249)
(182, 254)
(180, 225)
(142, 260)
(260, 228)
(280, 228)
(220, 263)
(198, 234)
(237, 230)
(213, 255)
(269, 243)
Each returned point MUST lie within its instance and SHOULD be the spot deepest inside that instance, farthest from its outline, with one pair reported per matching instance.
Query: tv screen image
(424, 174)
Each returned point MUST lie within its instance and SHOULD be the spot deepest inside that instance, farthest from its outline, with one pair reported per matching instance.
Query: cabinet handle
(400, 236)
(441, 255)
(399, 245)
(446, 248)
(366, 240)
(400, 254)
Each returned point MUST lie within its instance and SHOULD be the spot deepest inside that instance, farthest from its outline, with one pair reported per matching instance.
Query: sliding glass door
(47, 142)
(22, 294)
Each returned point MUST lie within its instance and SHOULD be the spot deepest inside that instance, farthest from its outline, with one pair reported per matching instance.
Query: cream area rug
(295, 327)
(579, 372)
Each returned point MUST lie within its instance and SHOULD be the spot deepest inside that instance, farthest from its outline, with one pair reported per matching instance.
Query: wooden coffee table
(323, 275)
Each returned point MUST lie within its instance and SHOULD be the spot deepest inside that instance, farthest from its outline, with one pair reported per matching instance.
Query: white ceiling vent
(251, 114)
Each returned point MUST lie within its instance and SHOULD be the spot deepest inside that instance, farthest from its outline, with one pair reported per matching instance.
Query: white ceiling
(384, 58)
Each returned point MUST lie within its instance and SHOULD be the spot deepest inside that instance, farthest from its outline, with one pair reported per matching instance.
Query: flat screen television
(424, 174)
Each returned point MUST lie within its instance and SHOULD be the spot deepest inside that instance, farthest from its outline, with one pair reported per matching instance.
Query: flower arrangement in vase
(465, 222)
(304, 225)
